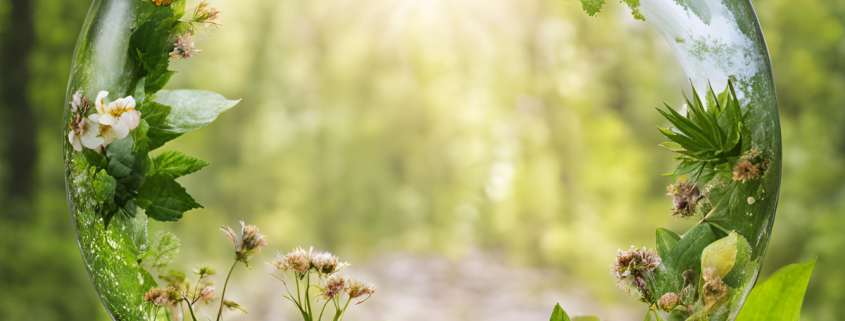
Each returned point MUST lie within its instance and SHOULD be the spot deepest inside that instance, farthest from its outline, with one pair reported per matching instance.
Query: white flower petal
(91, 138)
(75, 141)
(120, 129)
(107, 134)
(108, 119)
(131, 119)
(94, 117)
(101, 101)
(130, 103)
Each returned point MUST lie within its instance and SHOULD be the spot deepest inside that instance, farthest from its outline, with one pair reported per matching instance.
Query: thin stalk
(308, 297)
(343, 312)
(323, 310)
(190, 309)
(223, 295)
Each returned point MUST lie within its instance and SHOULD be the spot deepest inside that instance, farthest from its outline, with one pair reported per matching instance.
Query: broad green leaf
(686, 254)
(779, 297)
(192, 109)
(176, 164)
(666, 240)
(558, 314)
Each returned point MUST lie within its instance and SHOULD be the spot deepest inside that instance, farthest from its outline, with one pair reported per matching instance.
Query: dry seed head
(334, 286)
(630, 267)
(668, 301)
(356, 289)
(685, 197)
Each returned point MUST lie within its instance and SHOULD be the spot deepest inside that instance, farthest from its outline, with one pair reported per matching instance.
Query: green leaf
(127, 167)
(666, 240)
(104, 186)
(176, 164)
(192, 109)
(686, 254)
(558, 314)
(163, 248)
(743, 256)
(94, 158)
(779, 298)
(151, 41)
(586, 318)
(164, 199)
(139, 135)
(720, 256)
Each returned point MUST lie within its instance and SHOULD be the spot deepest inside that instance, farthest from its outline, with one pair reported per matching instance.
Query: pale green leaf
(192, 109)
(779, 298)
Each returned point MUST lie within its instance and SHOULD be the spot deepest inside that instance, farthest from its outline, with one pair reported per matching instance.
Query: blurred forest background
(475, 159)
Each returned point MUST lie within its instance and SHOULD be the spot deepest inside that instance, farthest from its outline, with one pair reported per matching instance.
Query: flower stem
(307, 297)
(190, 309)
(343, 312)
(223, 295)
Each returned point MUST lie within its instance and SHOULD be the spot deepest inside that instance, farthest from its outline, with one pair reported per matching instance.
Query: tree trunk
(16, 44)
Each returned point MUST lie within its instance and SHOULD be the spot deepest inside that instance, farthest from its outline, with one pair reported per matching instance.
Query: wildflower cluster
(632, 267)
(300, 265)
(179, 292)
(204, 16)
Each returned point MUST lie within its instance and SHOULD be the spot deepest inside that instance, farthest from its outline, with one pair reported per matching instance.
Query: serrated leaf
(154, 114)
(192, 109)
(139, 136)
(164, 199)
(558, 314)
(666, 240)
(779, 297)
(94, 158)
(177, 164)
(104, 186)
(163, 248)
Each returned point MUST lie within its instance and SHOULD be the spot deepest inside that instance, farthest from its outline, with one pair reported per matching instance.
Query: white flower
(116, 118)
(85, 133)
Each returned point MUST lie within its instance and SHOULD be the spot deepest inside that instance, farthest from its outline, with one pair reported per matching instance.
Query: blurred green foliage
(433, 127)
